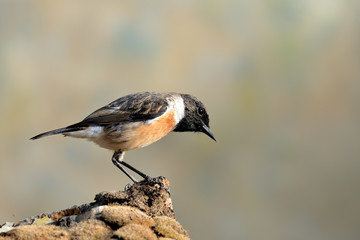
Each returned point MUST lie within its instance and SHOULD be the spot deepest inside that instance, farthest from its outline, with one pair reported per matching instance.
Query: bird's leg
(116, 159)
(146, 177)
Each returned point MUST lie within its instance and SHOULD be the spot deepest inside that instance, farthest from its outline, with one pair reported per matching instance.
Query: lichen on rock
(142, 211)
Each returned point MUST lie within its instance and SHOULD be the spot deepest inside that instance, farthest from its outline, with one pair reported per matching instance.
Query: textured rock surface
(143, 211)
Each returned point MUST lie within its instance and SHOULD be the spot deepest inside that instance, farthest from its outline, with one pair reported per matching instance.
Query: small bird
(136, 121)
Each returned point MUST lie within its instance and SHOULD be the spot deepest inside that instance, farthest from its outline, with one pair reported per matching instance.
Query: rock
(6, 227)
(170, 228)
(28, 232)
(142, 211)
(134, 232)
(90, 229)
(118, 216)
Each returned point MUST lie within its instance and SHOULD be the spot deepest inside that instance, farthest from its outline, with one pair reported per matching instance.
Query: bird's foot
(157, 180)
(152, 181)
(127, 186)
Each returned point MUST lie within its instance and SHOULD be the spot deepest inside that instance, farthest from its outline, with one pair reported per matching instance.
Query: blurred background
(280, 80)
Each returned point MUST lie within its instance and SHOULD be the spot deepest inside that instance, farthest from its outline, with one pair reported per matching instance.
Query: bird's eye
(201, 111)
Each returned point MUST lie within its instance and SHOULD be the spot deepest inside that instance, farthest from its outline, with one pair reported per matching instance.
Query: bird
(138, 120)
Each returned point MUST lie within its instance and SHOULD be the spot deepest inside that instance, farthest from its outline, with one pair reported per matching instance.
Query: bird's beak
(207, 131)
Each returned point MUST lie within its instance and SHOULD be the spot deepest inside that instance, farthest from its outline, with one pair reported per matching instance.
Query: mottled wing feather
(134, 107)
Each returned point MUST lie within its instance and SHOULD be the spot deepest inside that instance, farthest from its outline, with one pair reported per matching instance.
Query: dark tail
(57, 131)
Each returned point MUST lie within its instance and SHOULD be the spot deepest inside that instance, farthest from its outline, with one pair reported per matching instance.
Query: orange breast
(136, 135)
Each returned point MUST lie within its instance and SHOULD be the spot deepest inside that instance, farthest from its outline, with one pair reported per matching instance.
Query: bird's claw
(156, 180)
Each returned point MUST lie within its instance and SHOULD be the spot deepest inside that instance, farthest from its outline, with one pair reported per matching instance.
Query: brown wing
(134, 107)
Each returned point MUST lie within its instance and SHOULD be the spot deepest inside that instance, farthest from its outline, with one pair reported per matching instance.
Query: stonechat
(137, 120)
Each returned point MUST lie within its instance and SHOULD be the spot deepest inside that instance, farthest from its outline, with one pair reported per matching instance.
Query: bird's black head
(196, 118)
